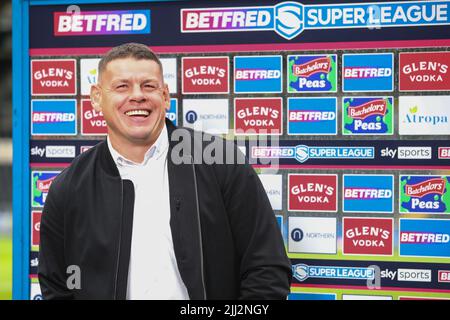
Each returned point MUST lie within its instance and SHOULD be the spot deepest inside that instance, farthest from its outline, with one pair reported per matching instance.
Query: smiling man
(128, 220)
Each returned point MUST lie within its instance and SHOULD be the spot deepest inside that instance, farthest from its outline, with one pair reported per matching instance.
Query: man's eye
(151, 86)
(121, 86)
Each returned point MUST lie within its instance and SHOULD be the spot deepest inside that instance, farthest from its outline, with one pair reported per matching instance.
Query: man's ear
(166, 95)
(96, 98)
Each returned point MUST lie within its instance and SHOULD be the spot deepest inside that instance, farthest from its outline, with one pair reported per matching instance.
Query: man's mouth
(138, 113)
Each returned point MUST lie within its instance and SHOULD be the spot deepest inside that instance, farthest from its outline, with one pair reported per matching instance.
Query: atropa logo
(289, 19)
(255, 116)
(312, 192)
(368, 236)
(205, 75)
(101, 22)
(56, 76)
(424, 71)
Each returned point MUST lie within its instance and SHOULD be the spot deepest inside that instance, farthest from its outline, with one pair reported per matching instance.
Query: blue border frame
(21, 141)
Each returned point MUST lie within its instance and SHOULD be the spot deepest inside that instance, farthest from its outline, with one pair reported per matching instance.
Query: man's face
(134, 99)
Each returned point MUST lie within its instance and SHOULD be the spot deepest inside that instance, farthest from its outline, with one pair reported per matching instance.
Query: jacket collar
(106, 159)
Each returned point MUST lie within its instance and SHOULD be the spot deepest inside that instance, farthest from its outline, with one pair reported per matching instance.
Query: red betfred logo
(205, 75)
(53, 77)
(312, 192)
(444, 153)
(92, 122)
(444, 276)
(368, 236)
(36, 227)
(258, 116)
(424, 71)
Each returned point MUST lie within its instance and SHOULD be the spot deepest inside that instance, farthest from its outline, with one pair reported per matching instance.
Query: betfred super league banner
(246, 22)
(374, 154)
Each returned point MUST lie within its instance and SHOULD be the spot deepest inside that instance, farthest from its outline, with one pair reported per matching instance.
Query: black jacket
(226, 239)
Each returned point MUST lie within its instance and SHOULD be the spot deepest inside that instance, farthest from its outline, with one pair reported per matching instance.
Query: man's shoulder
(83, 163)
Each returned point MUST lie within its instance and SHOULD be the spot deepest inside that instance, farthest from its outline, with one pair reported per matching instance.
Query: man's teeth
(137, 113)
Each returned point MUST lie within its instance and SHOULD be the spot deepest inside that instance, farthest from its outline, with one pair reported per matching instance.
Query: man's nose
(137, 94)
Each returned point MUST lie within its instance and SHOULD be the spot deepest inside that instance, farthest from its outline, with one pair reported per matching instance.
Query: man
(129, 220)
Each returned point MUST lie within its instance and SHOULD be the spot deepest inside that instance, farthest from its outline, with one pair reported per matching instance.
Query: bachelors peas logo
(289, 19)
(312, 73)
(367, 115)
(424, 194)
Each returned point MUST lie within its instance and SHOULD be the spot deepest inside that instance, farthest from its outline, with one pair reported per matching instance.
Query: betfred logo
(101, 22)
(92, 121)
(424, 71)
(368, 236)
(421, 189)
(255, 116)
(444, 276)
(36, 227)
(424, 237)
(444, 152)
(53, 77)
(312, 73)
(253, 74)
(312, 192)
(367, 72)
(205, 75)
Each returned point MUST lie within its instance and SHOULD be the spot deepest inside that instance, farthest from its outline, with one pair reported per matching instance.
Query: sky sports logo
(289, 19)
(87, 23)
(303, 153)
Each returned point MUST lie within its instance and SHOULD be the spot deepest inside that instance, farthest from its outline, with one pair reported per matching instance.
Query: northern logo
(312, 235)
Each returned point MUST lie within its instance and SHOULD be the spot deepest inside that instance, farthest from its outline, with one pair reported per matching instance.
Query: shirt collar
(155, 151)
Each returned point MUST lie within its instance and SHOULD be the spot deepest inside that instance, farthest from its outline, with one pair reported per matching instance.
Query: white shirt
(153, 272)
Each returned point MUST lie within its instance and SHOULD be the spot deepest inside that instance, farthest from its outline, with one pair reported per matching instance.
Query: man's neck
(134, 151)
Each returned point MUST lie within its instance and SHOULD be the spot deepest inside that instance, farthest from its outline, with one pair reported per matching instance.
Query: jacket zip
(199, 230)
(120, 241)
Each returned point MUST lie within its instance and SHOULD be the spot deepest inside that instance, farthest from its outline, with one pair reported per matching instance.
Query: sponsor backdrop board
(341, 107)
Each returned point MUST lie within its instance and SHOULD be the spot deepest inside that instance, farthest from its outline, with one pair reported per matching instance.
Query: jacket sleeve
(265, 269)
(52, 269)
